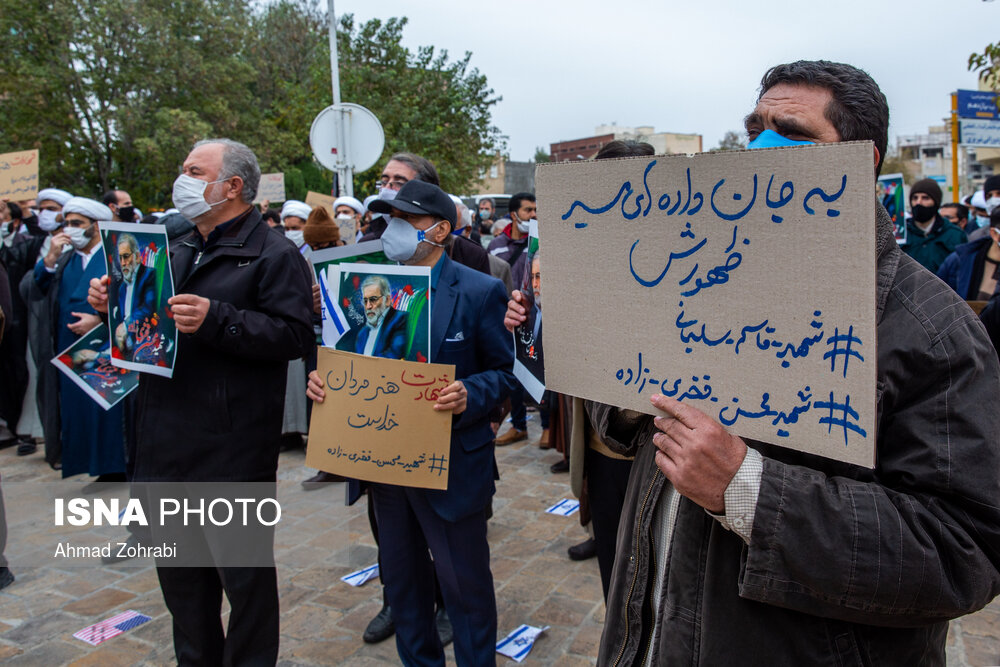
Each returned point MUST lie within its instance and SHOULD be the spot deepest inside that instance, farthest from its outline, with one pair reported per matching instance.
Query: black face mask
(126, 213)
(924, 214)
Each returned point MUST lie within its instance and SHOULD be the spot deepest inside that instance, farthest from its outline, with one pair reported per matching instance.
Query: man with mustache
(136, 292)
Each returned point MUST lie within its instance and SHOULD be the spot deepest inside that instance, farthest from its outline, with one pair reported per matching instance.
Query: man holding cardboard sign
(735, 551)
(466, 331)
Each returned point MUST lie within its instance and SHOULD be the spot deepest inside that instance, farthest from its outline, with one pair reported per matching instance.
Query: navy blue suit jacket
(391, 342)
(467, 311)
(143, 296)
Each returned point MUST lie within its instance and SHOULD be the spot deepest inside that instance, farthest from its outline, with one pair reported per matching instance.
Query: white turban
(979, 200)
(296, 208)
(368, 200)
(54, 194)
(89, 208)
(349, 201)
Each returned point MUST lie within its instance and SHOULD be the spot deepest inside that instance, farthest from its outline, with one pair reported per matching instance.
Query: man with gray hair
(384, 331)
(243, 309)
(136, 291)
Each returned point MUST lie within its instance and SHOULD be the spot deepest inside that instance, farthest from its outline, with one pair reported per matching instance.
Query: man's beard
(128, 273)
(375, 316)
(538, 298)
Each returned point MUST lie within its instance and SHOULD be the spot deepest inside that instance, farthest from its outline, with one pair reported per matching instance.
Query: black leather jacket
(846, 566)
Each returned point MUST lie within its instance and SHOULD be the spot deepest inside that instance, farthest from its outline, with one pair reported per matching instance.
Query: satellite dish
(346, 136)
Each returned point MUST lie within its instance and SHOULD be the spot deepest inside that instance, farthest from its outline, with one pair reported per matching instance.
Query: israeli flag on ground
(517, 645)
(564, 507)
(335, 323)
(360, 577)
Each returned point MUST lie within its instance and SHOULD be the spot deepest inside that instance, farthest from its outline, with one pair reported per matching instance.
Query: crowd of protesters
(712, 549)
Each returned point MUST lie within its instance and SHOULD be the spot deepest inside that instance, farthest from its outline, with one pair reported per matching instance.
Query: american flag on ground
(112, 627)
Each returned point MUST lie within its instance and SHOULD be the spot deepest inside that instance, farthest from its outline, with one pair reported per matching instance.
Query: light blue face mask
(982, 220)
(771, 139)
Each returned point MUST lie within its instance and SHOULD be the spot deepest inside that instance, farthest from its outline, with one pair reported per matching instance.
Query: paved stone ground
(318, 541)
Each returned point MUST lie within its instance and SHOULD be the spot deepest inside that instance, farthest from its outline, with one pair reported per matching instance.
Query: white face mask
(78, 237)
(345, 217)
(991, 205)
(296, 236)
(401, 239)
(47, 220)
(189, 196)
(5, 229)
(523, 227)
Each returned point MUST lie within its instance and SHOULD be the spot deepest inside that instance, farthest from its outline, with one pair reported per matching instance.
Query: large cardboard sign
(19, 175)
(742, 283)
(378, 421)
(271, 188)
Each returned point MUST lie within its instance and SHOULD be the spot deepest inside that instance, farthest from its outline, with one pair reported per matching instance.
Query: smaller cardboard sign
(315, 199)
(378, 421)
(347, 232)
(19, 175)
(271, 188)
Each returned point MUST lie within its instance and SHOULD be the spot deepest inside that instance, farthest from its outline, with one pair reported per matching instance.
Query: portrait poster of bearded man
(388, 309)
(143, 335)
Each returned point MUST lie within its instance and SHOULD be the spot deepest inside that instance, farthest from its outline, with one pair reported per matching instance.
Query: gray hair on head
(378, 281)
(238, 160)
(129, 240)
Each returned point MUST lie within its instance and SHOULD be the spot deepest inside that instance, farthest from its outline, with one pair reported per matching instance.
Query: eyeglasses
(125, 256)
(394, 184)
(371, 300)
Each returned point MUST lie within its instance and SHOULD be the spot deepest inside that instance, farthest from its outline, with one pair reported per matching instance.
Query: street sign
(346, 136)
(977, 104)
(980, 132)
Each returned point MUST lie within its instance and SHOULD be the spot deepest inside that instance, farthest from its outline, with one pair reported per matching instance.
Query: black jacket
(219, 417)
(845, 566)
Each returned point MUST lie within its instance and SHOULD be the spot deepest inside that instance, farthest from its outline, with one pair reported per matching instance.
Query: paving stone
(118, 651)
(100, 602)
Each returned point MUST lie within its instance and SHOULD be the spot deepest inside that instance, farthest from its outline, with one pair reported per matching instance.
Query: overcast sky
(563, 67)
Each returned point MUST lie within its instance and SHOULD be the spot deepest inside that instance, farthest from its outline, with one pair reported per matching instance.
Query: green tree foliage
(542, 155)
(114, 92)
(426, 104)
(987, 65)
(731, 141)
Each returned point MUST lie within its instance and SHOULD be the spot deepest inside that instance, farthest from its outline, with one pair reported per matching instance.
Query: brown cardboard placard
(347, 231)
(377, 422)
(742, 283)
(19, 175)
(315, 199)
(271, 188)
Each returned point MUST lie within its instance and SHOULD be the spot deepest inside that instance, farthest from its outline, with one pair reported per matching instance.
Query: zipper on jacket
(635, 571)
(198, 258)
(649, 600)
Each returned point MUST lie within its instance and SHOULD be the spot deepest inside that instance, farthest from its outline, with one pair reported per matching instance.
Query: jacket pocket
(848, 648)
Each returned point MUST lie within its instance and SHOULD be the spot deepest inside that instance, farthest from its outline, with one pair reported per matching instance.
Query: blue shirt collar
(436, 271)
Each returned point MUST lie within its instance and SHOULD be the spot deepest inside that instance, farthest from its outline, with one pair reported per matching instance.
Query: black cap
(990, 184)
(419, 198)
